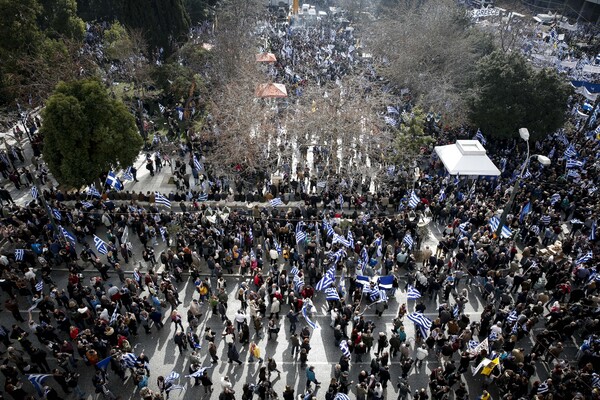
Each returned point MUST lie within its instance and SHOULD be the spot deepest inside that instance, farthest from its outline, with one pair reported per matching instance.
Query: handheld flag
(37, 380)
(19, 254)
(161, 199)
(276, 202)
(305, 311)
(414, 200)
(412, 293)
(34, 192)
(327, 280)
(100, 245)
(113, 181)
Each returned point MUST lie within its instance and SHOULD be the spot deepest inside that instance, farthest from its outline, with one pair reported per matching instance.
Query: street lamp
(545, 161)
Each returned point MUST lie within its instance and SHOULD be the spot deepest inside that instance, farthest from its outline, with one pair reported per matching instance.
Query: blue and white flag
(546, 219)
(479, 136)
(332, 294)
(344, 348)
(328, 228)
(456, 311)
(56, 213)
(321, 184)
(412, 293)
(386, 282)
(350, 238)
(294, 271)
(70, 238)
(555, 198)
(573, 174)
(585, 258)
(306, 309)
(159, 198)
(198, 373)
(276, 245)
(327, 280)
(503, 164)
(127, 175)
(341, 396)
(442, 196)
(197, 165)
(100, 245)
(341, 200)
(512, 317)
(570, 152)
(202, 197)
(298, 282)
(422, 322)
(87, 205)
(505, 232)
(414, 200)
(171, 378)
(472, 345)
(300, 234)
(390, 121)
(276, 202)
(128, 360)
(340, 239)
(19, 254)
(92, 191)
(34, 192)
(113, 181)
(39, 286)
(551, 154)
(162, 108)
(573, 163)
(114, 317)
(526, 210)
(392, 110)
(37, 380)
(592, 236)
(408, 240)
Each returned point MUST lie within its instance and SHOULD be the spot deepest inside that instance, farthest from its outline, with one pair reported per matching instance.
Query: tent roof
(270, 90)
(266, 57)
(466, 157)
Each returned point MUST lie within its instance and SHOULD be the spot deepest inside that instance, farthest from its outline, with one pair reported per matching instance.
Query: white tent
(466, 157)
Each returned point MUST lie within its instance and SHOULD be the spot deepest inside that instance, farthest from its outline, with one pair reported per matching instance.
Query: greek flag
(321, 184)
(328, 228)
(546, 219)
(493, 336)
(113, 181)
(505, 233)
(543, 388)
(570, 152)
(412, 293)
(414, 200)
(56, 213)
(535, 229)
(294, 271)
(198, 373)
(171, 378)
(300, 234)
(92, 191)
(421, 321)
(305, 310)
(365, 218)
(129, 360)
(19, 254)
(364, 256)
(573, 174)
(34, 192)
(87, 205)
(100, 245)
(162, 108)
(408, 240)
(203, 197)
(555, 198)
(479, 136)
(332, 294)
(37, 380)
(127, 175)
(341, 200)
(67, 235)
(512, 317)
(456, 311)
(298, 282)
(386, 282)
(595, 380)
(350, 238)
(197, 164)
(340, 239)
(39, 286)
(551, 154)
(585, 258)
(327, 280)
(503, 164)
(442, 196)
(341, 396)
(114, 316)
(526, 175)
(592, 190)
(392, 110)
(526, 210)
(344, 348)
(592, 236)
(277, 246)
(381, 295)
(390, 121)
(276, 202)
(136, 275)
(161, 199)
(572, 163)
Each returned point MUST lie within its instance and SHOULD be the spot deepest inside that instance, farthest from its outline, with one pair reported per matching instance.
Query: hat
(109, 331)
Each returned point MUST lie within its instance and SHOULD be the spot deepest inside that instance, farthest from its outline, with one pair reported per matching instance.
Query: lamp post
(524, 134)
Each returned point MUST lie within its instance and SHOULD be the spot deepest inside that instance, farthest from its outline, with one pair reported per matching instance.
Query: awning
(466, 157)
(271, 90)
(266, 57)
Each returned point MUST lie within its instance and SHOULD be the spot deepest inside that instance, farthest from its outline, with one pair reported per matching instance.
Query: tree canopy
(509, 94)
(87, 133)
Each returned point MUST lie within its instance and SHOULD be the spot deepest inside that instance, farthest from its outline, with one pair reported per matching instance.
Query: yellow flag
(487, 370)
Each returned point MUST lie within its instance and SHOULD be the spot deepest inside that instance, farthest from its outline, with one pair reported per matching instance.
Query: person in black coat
(233, 354)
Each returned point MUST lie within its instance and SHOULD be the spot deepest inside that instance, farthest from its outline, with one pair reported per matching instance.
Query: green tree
(409, 138)
(164, 23)
(199, 10)
(87, 133)
(509, 94)
(59, 19)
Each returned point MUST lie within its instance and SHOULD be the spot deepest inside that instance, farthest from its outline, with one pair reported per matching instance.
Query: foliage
(164, 23)
(509, 94)
(59, 19)
(430, 47)
(410, 137)
(87, 133)
(98, 10)
(199, 10)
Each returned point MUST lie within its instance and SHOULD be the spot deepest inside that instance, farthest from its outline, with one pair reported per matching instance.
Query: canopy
(271, 90)
(266, 57)
(466, 157)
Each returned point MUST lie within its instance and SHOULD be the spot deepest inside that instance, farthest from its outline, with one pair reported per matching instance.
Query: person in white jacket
(421, 355)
